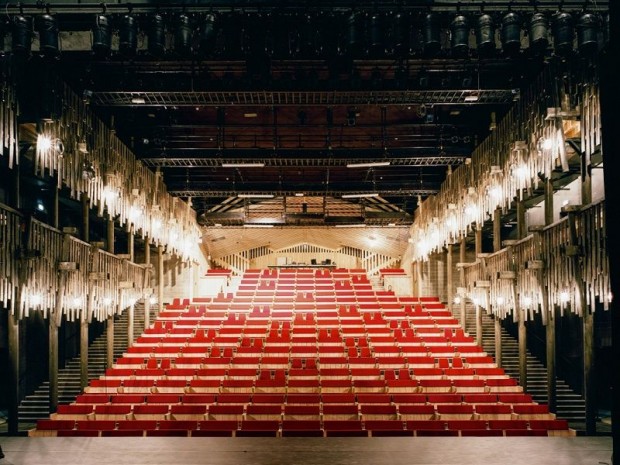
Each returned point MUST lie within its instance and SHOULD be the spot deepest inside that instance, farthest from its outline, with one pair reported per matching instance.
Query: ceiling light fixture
(368, 164)
(353, 225)
(359, 196)
(257, 225)
(243, 165)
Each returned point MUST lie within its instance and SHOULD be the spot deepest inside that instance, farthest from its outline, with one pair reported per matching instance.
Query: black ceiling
(302, 90)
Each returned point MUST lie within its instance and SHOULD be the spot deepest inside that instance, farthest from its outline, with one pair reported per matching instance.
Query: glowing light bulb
(44, 142)
(500, 301)
(36, 299)
(76, 301)
(153, 300)
(135, 213)
(107, 301)
(457, 300)
(564, 297)
(520, 172)
(526, 301)
(495, 192)
(110, 194)
(547, 144)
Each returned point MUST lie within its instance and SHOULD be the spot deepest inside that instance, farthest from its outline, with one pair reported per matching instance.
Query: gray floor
(594, 450)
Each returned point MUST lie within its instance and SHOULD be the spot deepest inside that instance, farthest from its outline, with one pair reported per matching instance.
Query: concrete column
(522, 350)
(160, 278)
(478, 240)
(609, 105)
(589, 384)
(88, 310)
(497, 230)
(130, 245)
(110, 342)
(110, 235)
(462, 250)
(130, 323)
(498, 340)
(479, 325)
(85, 217)
(548, 201)
(13, 375)
(521, 227)
(551, 373)
(147, 298)
(497, 246)
(53, 363)
(56, 208)
(84, 350)
(110, 321)
(449, 279)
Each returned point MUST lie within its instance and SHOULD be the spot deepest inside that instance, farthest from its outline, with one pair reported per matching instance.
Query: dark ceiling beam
(400, 192)
(302, 162)
(76, 8)
(303, 98)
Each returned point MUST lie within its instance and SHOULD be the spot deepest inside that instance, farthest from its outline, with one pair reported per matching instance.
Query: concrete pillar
(551, 371)
(521, 227)
(478, 325)
(130, 323)
(84, 350)
(13, 375)
(110, 342)
(110, 321)
(497, 246)
(85, 217)
(498, 340)
(609, 105)
(160, 278)
(56, 208)
(88, 310)
(522, 348)
(147, 298)
(462, 250)
(449, 279)
(53, 363)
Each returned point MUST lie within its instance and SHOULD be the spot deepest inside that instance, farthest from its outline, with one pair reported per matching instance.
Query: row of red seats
(295, 398)
(285, 428)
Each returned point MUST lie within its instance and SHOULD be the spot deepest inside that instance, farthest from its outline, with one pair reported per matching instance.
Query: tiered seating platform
(304, 352)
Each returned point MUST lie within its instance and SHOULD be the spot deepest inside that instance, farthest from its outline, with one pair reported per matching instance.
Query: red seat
(254, 428)
(301, 428)
(343, 428)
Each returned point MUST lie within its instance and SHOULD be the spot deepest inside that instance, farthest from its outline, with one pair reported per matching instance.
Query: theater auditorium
(282, 232)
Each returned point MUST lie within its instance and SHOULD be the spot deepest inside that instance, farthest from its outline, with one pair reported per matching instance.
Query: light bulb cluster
(473, 191)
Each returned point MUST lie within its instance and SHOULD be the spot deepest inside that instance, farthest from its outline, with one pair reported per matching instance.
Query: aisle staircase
(570, 405)
(36, 405)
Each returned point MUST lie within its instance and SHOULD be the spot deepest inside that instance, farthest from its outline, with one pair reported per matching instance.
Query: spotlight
(431, 34)
(538, 33)
(401, 33)
(22, 35)
(459, 35)
(156, 36)
(183, 36)
(128, 35)
(563, 33)
(47, 26)
(485, 34)
(355, 30)
(102, 37)
(376, 45)
(208, 35)
(587, 33)
(511, 33)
